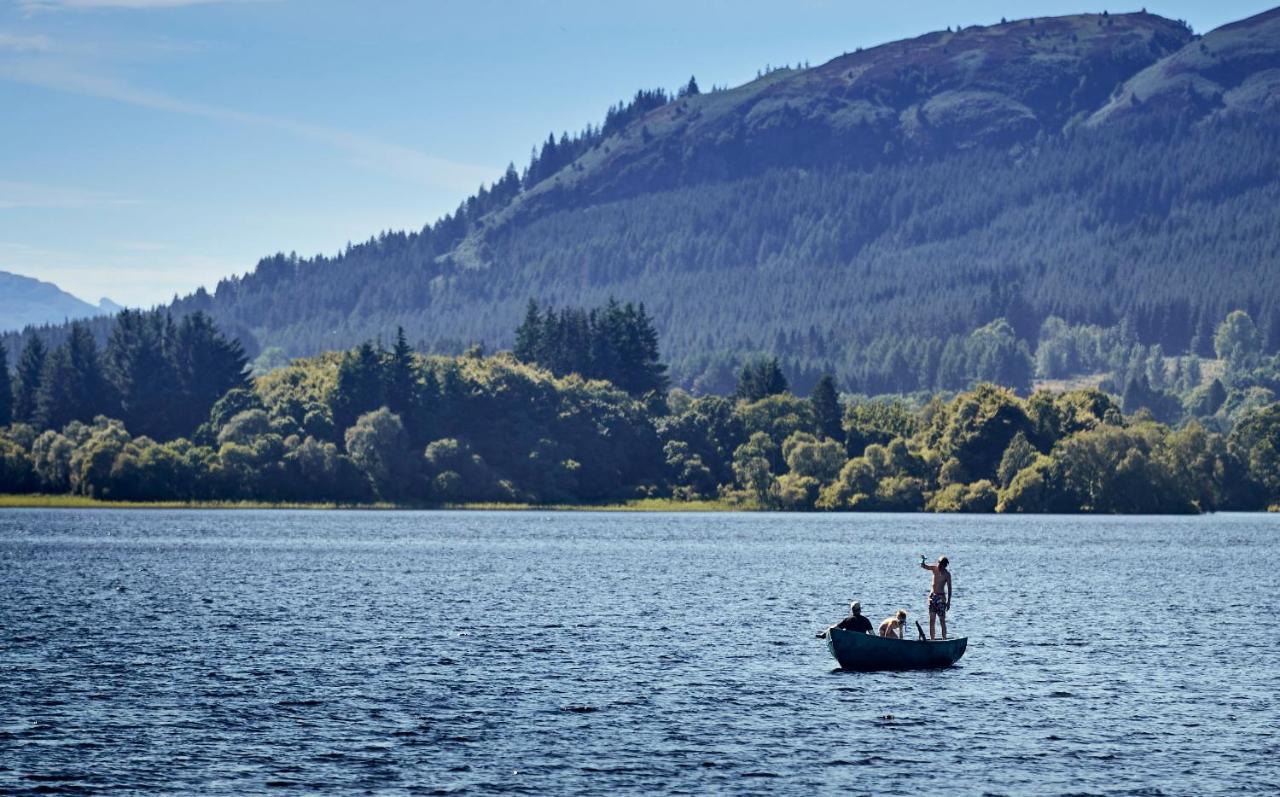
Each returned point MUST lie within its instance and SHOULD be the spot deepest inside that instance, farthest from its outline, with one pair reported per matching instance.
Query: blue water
(234, 652)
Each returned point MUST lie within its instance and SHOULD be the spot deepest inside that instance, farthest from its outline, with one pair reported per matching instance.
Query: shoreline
(44, 501)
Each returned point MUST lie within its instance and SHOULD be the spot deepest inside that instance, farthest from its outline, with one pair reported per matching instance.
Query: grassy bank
(40, 501)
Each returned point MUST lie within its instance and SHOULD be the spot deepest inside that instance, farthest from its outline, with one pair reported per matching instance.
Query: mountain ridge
(875, 207)
(27, 301)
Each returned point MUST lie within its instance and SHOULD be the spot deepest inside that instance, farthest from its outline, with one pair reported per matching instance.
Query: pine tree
(402, 394)
(6, 389)
(141, 372)
(760, 379)
(55, 398)
(827, 415)
(205, 365)
(529, 335)
(30, 368)
(360, 388)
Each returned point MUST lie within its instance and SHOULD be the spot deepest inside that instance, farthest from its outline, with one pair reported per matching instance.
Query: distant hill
(26, 301)
(864, 216)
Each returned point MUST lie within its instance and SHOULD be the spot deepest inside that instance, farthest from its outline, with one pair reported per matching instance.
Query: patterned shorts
(938, 603)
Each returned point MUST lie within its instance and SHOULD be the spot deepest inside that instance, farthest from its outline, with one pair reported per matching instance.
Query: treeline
(395, 425)
(157, 375)
(616, 343)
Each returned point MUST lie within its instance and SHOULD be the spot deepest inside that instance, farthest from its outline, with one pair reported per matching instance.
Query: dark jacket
(856, 623)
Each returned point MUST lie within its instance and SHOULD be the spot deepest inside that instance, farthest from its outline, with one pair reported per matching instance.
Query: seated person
(855, 622)
(892, 626)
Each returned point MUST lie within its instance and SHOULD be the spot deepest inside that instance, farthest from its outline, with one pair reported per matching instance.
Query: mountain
(874, 215)
(26, 301)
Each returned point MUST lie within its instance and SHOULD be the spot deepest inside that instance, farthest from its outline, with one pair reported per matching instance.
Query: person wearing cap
(855, 622)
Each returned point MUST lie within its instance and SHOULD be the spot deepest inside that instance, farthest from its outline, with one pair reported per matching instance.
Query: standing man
(939, 603)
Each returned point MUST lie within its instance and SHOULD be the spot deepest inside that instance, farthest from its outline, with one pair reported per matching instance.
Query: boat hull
(866, 653)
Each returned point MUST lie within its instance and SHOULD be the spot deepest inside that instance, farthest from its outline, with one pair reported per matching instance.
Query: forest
(580, 413)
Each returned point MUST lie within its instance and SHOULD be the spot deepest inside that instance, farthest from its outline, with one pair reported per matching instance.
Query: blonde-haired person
(892, 626)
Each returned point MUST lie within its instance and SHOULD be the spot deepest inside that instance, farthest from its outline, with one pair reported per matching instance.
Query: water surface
(422, 652)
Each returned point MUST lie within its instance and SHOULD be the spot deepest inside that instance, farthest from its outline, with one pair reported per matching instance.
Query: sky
(150, 147)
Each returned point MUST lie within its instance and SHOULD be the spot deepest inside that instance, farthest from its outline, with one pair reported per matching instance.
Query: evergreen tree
(141, 373)
(827, 414)
(55, 398)
(205, 365)
(360, 387)
(529, 335)
(73, 386)
(759, 379)
(403, 396)
(30, 368)
(6, 389)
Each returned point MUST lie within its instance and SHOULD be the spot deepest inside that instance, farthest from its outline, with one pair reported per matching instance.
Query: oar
(919, 630)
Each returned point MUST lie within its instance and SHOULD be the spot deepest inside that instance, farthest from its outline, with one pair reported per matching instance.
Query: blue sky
(148, 147)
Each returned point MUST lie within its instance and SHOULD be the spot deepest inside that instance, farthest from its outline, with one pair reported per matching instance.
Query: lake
(588, 653)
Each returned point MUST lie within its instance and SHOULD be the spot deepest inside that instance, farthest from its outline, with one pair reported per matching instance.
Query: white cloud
(392, 159)
(30, 195)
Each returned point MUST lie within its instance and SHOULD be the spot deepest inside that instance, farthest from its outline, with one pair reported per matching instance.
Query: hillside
(866, 215)
(25, 301)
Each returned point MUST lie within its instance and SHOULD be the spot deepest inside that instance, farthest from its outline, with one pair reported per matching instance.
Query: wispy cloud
(30, 195)
(393, 159)
(71, 5)
(18, 43)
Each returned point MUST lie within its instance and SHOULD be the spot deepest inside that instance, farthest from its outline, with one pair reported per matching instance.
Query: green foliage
(1018, 455)
(877, 421)
(16, 472)
(712, 429)
(810, 457)
(379, 447)
(779, 416)
(977, 427)
(1237, 340)
(753, 466)
(492, 428)
(1256, 441)
(977, 497)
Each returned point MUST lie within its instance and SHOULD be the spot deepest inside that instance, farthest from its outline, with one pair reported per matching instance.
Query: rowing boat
(865, 652)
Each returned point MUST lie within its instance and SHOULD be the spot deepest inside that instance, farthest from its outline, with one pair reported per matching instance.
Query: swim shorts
(938, 603)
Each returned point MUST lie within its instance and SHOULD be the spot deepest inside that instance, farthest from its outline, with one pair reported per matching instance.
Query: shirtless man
(892, 626)
(939, 603)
